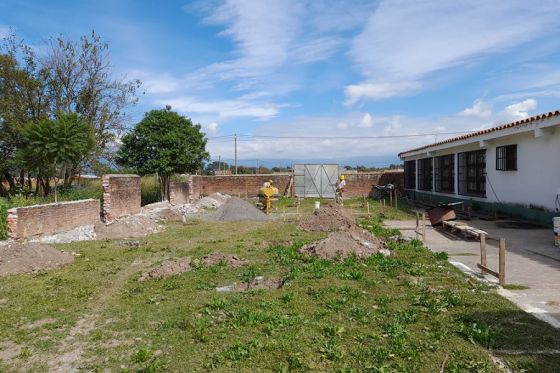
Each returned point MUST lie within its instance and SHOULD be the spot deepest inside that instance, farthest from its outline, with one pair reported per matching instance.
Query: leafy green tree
(165, 143)
(53, 147)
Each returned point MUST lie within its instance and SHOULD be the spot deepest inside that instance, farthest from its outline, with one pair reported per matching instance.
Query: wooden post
(396, 198)
(391, 198)
(284, 213)
(502, 258)
(364, 201)
(367, 205)
(483, 252)
(417, 225)
(424, 227)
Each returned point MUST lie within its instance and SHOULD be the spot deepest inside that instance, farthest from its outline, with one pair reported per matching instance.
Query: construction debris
(16, 257)
(138, 225)
(326, 219)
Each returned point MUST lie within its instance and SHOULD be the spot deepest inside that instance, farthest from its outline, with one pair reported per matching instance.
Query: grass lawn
(411, 312)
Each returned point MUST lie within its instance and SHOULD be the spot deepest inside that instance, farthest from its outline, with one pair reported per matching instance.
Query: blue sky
(321, 68)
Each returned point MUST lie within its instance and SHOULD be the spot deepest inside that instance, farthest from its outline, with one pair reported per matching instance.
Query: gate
(315, 180)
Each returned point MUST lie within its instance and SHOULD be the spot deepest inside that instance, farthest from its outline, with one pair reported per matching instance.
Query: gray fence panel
(315, 180)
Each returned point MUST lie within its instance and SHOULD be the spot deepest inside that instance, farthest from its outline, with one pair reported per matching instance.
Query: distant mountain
(374, 161)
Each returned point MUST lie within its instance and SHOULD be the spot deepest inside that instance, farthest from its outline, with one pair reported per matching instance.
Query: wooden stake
(502, 265)
(396, 206)
(417, 225)
(391, 198)
(483, 252)
(424, 227)
(367, 205)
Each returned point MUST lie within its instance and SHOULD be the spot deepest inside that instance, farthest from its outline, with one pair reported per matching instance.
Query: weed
(331, 350)
(141, 355)
(249, 274)
(287, 297)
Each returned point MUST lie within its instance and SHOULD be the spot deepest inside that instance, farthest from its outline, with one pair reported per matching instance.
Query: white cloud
(479, 109)
(367, 121)
(211, 128)
(521, 109)
(378, 90)
(406, 40)
(4, 31)
(222, 108)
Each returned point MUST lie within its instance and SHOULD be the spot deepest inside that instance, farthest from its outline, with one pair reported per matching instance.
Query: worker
(340, 184)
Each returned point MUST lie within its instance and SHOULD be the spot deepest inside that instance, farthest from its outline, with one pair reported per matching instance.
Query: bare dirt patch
(9, 350)
(326, 219)
(236, 209)
(259, 283)
(40, 323)
(16, 257)
(218, 258)
(168, 268)
(130, 226)
(344, 244)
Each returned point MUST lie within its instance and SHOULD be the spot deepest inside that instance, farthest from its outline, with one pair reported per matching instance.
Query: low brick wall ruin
(52, 218)
(121, 196)
(180, 192)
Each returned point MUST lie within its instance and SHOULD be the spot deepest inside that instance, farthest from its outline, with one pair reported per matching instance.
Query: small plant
(287, 297)
(141, 355)
(249, 274)
(331, 351)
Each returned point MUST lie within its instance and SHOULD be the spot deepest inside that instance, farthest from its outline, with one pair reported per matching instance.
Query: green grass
(515, 287)
(410, 312)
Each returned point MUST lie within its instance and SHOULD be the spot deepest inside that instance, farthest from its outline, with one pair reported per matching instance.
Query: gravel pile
(83, 233)
(236, 209)
(16, 257)
(326, 219)
(138, 225)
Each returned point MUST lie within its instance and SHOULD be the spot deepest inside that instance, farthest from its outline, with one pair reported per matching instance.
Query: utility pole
(235, 140)
(219, 164)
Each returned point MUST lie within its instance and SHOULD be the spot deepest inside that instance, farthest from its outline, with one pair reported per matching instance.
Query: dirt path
(70, 350)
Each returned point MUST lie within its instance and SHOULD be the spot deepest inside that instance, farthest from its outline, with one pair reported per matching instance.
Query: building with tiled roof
(513, 168)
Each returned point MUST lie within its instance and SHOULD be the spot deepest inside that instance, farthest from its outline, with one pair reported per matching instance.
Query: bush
(3, 219)
(150, 190)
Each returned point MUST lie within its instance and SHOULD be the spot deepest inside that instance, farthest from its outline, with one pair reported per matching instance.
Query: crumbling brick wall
(52, 218)
(180, 192)
(121, 196)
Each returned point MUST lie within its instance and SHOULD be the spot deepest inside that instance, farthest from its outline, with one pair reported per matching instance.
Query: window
(410, 174)
(472, 173)
(444, 171)
(425, 174)
(506, 158)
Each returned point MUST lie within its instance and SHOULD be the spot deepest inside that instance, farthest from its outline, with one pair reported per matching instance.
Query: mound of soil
(218, 258)
(168, 268)
(257, 284)
(235, 209)
(16, 257)
(326, 219)
(131, 226)
(344, 244)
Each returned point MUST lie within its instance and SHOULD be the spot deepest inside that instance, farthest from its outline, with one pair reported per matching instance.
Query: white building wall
(536, 181)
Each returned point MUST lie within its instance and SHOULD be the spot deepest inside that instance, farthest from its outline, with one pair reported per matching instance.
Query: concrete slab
(532, 260)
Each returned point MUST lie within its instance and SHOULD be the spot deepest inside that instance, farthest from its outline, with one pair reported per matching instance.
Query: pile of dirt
(236, 209)
(326, 219)
(168, 268)
(130, 226)
(218, 258)
(214, 200)
(16, 257)
(259, 283)
(346, 243)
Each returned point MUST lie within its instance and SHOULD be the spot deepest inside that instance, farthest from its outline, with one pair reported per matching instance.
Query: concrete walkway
(532, 260)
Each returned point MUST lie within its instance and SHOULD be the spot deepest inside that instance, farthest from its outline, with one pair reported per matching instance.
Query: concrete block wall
(121, 196)
(52, 218)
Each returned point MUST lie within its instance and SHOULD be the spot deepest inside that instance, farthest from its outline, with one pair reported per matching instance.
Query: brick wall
(180, 192)
(52, 218)
(121, 196)
(237, 185)
(358, 184)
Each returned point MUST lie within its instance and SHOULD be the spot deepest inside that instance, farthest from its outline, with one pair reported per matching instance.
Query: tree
(165, 143)
(54, 146)
(70, 76)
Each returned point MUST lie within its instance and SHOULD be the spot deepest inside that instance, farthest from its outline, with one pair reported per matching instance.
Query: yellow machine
(267, 194)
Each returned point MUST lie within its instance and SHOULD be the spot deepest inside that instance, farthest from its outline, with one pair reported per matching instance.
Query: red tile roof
(488, 130)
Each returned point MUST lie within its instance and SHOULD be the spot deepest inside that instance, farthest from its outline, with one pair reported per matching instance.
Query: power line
(222, 138)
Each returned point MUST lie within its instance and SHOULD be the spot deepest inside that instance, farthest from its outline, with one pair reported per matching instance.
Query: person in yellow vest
(340, 184)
